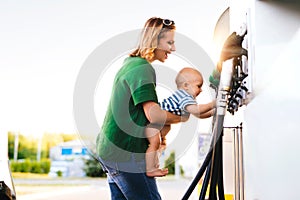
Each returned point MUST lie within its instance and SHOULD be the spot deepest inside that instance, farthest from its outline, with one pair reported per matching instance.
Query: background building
(68, 158)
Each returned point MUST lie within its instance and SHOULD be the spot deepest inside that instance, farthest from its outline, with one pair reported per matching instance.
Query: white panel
(271, 119)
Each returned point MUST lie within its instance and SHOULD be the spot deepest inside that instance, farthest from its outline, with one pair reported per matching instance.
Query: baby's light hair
(186, 74)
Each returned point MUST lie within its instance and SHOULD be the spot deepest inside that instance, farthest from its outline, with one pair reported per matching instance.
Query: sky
(45, 43)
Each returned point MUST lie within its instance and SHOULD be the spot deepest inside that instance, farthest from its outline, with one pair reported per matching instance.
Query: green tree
(11, 144)
(69, 137)
(27, 148)
(170, 164)
(93, 168)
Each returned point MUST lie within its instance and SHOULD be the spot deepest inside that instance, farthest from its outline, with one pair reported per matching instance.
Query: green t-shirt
(122, 131)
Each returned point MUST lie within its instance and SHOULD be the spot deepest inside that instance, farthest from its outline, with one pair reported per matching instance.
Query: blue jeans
(128, 180)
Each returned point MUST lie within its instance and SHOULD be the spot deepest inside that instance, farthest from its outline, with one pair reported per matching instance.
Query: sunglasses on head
(168, 22)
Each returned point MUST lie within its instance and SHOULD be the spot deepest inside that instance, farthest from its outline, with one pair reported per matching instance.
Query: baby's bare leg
(152, 161)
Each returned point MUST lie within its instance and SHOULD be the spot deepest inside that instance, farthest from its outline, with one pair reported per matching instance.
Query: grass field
(29, 175)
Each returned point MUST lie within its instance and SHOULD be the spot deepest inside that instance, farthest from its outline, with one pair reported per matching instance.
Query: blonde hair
(186, 74)
(152, 32)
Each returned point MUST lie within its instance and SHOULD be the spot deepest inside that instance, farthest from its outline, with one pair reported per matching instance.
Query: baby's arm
(202, 110)
(208, 114)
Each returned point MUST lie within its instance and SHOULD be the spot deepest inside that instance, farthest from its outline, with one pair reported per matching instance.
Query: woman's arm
(156, 115)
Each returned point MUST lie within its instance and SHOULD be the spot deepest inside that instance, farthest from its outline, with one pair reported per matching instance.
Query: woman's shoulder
(137, 64)
(135, 61)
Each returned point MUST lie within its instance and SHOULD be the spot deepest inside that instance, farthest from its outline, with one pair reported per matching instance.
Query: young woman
(121, 144)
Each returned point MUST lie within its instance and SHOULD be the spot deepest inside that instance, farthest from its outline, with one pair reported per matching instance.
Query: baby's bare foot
(158, 172)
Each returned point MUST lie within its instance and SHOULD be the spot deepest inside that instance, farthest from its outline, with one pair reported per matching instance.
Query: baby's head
(190, 80)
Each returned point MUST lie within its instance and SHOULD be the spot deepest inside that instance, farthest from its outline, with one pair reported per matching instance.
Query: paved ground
(87, 188)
